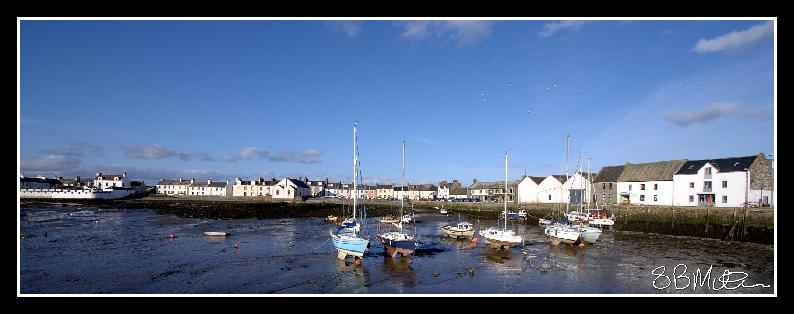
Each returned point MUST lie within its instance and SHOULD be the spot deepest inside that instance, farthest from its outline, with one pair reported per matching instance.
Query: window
(655, 186)
(603, 185)
(691, 185)
(724, 184)
(610, 186)
(603, 197)
(707, 184)
(277, 192)
(549, 196)
(724, 199)
(642, 186)
(654, 198)
(708, 170)
(642, 197)
(629, 187)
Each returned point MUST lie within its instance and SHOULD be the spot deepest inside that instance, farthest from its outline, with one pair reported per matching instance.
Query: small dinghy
(215, 234)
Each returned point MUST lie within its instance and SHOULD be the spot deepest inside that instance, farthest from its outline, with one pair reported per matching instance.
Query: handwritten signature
(729, 280)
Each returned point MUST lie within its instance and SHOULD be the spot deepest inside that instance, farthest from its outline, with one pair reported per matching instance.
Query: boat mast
(567, 143)
(354, 170)
(402, 186)
(505, 195)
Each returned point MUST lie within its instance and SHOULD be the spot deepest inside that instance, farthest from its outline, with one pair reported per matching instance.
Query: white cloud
(189, 154)
(708, 113)
(50, 162)
(149, 152)
(550, 29)
(251, 152)
(462, 32)
(229, 157)
(350, 28)
(309, 156)
(735, 40)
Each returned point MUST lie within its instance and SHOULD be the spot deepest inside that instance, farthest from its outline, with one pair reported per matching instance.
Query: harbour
(86, 249)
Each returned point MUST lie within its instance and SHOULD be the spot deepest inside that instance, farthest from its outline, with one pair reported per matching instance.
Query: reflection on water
(74, 249)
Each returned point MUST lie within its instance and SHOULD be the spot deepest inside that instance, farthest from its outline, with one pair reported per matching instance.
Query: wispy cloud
(711, 112)
(349, 28)
(759, 114)
(148, 151)
(252, 152)
(424, 140)
(77, 148)
(189, 154)
(230, 158)
(735, 40)
(464, 33)
(550, 29)
(49, 163)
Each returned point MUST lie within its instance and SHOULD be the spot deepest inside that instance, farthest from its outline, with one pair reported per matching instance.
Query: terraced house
(172, 187)
(605, 185)
(494, 191)
(725, 182)
(257, 188)
(209, 188)
(648, 183)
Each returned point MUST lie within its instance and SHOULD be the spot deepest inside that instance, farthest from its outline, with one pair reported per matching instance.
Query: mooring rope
(326, 240)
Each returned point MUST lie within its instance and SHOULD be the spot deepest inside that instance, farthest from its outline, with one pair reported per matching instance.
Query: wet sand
(86, 249)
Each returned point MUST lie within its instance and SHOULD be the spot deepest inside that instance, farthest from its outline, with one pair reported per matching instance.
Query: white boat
(215, 234)
(461, 230)
(443, 210)
(522, 214)
(542, 221)
(576, 217)
(389, 220)
(502, 239)
(590, 234)
(563, 233)
(407, 218)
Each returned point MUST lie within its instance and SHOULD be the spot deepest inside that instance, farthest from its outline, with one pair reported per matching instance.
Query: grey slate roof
(109, 176)
(609, 174)
(492, 185)
(722, 164)
(299, 183)
(560, 177)
(40, 180)
(652, 171)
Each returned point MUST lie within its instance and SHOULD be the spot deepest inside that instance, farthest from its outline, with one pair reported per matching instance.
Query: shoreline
(729, 224)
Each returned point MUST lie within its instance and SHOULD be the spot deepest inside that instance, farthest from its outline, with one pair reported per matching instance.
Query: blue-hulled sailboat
(346, 237)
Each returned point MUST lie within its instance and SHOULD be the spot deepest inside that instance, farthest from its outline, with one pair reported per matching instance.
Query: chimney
(209, 181)
(98, 174)
(192, 180)
(124, 175)
(180, 179)
(473, 181)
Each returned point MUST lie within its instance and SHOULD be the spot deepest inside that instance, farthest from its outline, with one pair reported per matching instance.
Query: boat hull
(563, 235)
(404, 247)
(590, 237)
(349, 246)
(457, 234)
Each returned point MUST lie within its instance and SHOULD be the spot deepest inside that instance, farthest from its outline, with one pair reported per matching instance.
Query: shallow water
(79, 249)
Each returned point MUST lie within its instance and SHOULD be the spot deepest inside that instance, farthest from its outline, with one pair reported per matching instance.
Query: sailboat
(397, 241)
(346, 238)
(559, 232)
(504, 238)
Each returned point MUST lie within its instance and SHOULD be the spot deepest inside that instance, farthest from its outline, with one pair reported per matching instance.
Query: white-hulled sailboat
(397, 241)
(346, 238)
(502, 238)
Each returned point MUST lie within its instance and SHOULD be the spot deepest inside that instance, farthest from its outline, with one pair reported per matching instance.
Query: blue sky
(278, 98)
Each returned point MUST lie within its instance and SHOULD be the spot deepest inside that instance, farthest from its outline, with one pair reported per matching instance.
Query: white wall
(664, 192)
(73, 194)
(443, 192)
(550, 191)
(527, 191)
(576, 182)
(737, 187)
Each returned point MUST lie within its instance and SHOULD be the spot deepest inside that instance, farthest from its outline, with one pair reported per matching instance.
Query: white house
(257, 188)
(574, 190)
(317, 186)
(209, 188)
(529, 189)
(104, 181)
(290, 189)
(550, 189)
(406, 192)
(723, 182)
(172, 187)
(494, 191)
(648, 183)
